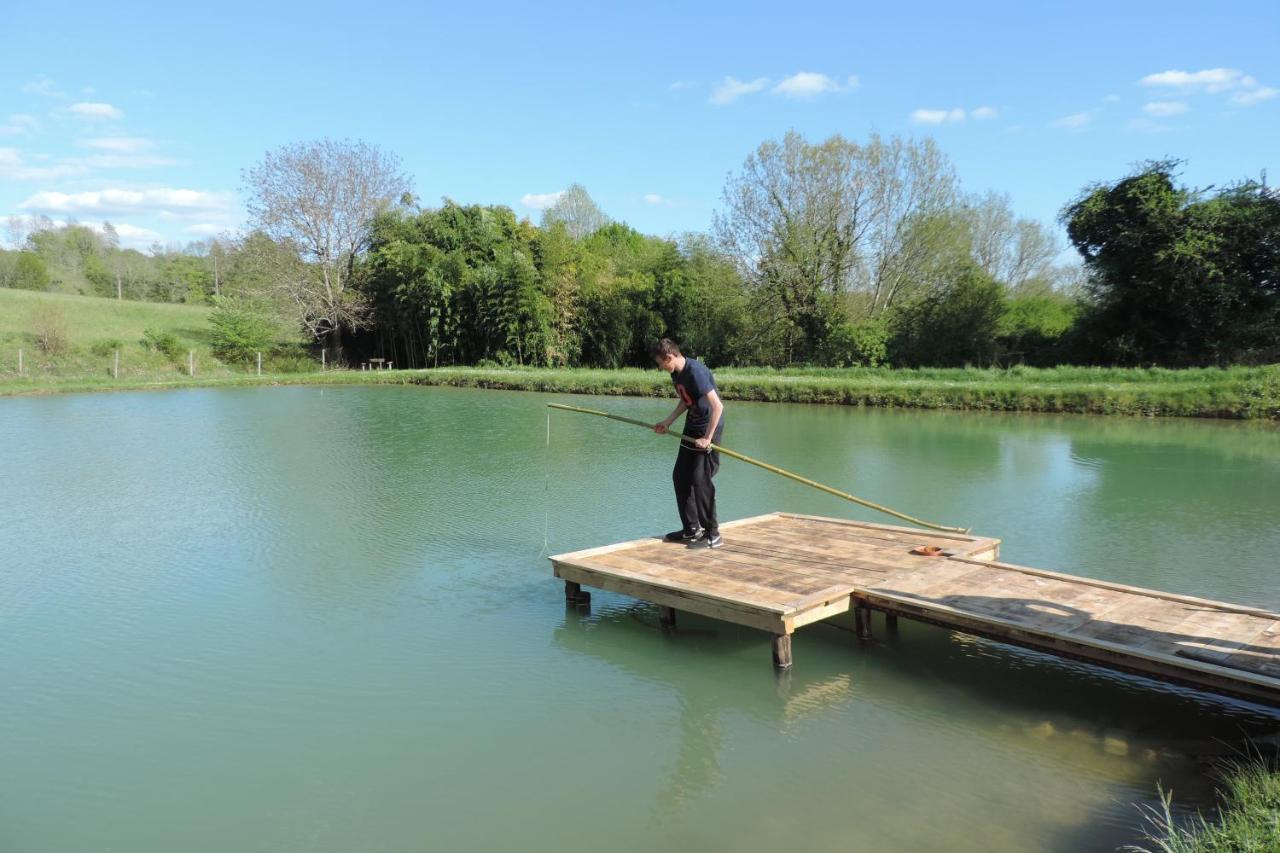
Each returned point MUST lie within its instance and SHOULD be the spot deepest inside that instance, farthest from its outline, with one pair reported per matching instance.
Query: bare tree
(1011, 250)
(577, 211)
(321, 197)
(809, 223)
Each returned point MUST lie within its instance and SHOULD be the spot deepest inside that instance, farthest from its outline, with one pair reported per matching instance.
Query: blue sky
(145, 116)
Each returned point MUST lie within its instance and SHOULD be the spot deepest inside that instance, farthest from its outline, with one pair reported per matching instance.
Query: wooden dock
(781, 571)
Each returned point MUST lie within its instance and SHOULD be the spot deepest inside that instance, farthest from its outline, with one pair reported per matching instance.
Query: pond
(322, 619)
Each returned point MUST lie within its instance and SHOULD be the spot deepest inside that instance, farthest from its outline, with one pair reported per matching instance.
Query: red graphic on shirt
(684, 395)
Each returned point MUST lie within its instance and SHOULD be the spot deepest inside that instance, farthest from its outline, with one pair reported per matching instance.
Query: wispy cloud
(1208, 80)
(1163, 109)
(927, 116)
(96, 111)
(168, 202)
(806, 85)
(682, 84)
(1254, 96)
(540, 201)
(984, 113)
(18, 124)
(1245, 89)
(732, 88)
(1075, 121)
(15, 167)
(45, 87)
(119, 144)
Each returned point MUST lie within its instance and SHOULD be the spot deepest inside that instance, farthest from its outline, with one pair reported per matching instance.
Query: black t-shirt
(693, 383)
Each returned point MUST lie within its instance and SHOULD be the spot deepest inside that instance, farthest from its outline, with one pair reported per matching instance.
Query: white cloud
(923, 116)
(1111, 99)
(1246, 90)
(1146, 125)
(805, 85)
(43, 86)
(653, 198)
(732, 89)
(19, 123)
(119, 144)
(1165, 108)
(982, 113)
(163, 201)
(15, 167)
(540, 201)
(204, 229)
(1254, 96)
(682, 84)
(1075, 121)
(95, 111)
(1209, 80)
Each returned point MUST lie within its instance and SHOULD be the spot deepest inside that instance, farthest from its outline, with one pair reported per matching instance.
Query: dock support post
(574, 596)
(667, 617)
(782, 651)
(862, 621)
(891, 622)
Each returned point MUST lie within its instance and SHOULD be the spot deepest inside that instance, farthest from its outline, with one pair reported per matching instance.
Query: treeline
(834, 253)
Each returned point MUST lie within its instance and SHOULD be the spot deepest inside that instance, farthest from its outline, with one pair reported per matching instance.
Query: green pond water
(323, 620)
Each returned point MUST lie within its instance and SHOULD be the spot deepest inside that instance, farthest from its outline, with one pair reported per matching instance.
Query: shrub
(162, 342)
(953, 326)
(49, 325)
(1033, 328)
(240, 331)
(105, 348)
(861, 344)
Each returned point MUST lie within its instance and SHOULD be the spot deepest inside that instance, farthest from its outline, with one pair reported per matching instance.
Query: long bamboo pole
(772, 468)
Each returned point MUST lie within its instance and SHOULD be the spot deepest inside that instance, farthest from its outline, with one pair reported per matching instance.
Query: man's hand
(660, 428)
(702, 443)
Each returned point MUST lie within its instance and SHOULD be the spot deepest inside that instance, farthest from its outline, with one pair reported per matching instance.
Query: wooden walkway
(781, 571)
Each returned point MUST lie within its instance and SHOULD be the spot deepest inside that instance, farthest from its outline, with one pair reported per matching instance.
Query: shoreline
(1227, 394)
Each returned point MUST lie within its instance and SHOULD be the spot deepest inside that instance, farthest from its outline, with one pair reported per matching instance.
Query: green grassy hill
(91, 329)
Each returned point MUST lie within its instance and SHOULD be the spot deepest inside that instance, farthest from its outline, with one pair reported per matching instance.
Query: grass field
(96, 328)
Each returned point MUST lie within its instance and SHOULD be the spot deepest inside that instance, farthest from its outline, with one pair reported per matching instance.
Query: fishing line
(546, 494)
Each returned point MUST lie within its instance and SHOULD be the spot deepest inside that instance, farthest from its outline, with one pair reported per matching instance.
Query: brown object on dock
(781, 571)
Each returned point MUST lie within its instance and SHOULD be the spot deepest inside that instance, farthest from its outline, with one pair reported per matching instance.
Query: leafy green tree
(953, 326)
(861, 344)
(240, 330)
(1034, 327)
(1178, 277)
(577, 212)
(23, 270)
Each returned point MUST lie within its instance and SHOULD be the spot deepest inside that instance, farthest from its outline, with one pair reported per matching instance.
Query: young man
(696, 463)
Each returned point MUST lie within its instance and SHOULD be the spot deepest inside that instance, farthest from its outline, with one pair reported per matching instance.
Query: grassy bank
(1248, 819)
(1243, 393)
(94, 330)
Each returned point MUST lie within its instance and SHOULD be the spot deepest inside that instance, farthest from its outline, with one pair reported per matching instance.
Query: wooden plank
(1168, 596)
(688, 601)
(984, 541)
(704, 583)
(677, 583)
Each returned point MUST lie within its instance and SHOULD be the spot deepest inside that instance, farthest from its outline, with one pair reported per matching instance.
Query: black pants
(695, 492)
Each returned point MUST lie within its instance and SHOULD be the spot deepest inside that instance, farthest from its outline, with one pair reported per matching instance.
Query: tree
(240, 330)
(321, 197)
(577, 212)
(1014, 251)
(23, 270)
(1177, 276)
(809, 223)
(953, 326)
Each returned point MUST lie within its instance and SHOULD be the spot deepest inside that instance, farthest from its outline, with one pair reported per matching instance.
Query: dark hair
(664, 347)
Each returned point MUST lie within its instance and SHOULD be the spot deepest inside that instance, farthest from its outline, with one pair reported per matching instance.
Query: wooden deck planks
(778, 572)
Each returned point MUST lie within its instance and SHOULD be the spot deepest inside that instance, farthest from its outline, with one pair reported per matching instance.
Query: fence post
(19, 361)
(259, 364)
(322, 358)
(115, 370)
(191, 362)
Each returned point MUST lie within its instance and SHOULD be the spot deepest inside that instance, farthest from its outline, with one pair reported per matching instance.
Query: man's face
(666, 362)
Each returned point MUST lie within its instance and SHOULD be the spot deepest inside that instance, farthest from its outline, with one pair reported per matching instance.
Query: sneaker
(683, 536)
(707, 540)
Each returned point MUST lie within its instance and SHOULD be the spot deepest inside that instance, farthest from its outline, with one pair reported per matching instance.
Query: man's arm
(661, 426)
(717, 409)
